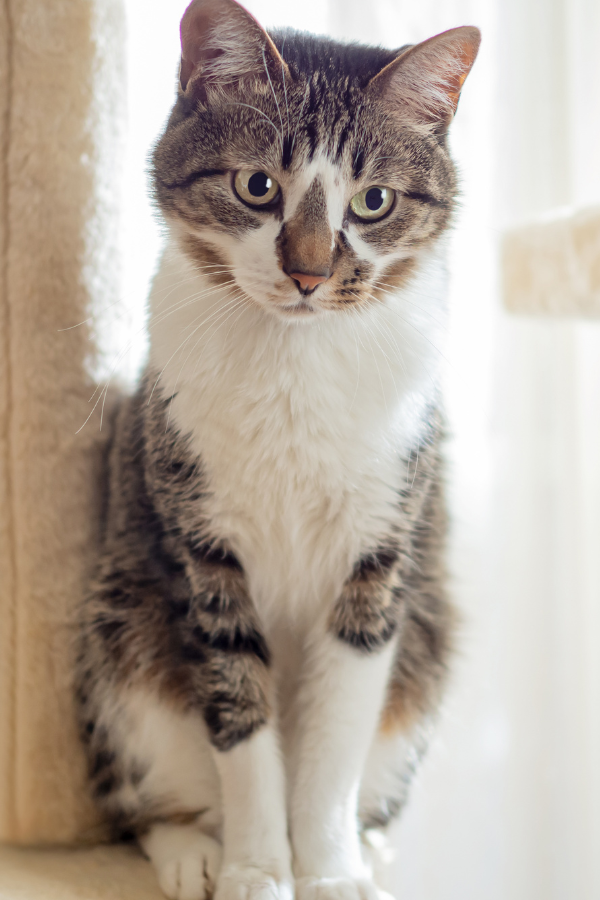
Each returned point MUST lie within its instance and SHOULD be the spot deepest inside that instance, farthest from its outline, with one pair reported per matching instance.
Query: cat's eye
(255, 187)
(372, 203)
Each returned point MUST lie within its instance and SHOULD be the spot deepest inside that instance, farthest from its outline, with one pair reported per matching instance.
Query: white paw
(338, 889)
(238, 882)
(186, 860)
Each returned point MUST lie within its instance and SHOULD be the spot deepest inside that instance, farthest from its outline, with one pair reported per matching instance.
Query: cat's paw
(338, 889)
(186, 860)
(238, 882)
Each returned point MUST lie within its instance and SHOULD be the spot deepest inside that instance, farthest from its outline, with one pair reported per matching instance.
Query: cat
(267, 637)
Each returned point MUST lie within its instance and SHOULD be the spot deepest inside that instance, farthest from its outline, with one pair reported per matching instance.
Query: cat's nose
(308, 281)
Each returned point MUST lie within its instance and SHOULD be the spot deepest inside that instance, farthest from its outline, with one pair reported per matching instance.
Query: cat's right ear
(221, 43)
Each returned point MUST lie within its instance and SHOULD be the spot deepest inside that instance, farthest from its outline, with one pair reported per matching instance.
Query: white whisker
(299, 118)
(265, 116)
(285, 86)
(223, 316)
(274, 94)
(181, 346)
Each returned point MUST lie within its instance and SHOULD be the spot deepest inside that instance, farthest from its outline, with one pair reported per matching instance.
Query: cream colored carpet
(99, 873)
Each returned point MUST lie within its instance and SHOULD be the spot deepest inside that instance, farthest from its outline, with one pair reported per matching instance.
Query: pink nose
(308, 282)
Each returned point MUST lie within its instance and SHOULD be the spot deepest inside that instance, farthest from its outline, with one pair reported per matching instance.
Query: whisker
(190, 300)
(362, 134)
(180, 347)
(352, 325)
(284, 85)
(177, 284)
(224, 316)
(221, 311)
(265, 116)
(299, 118)
(374, 355)
(103, 389)
(391, 337)
(388, 291)
(239, 303)
(386, 358)
(274, 95)
(424, 336)
(242, 304)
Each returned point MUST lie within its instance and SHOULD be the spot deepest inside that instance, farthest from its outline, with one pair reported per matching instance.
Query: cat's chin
(298, 311)
(302, 309)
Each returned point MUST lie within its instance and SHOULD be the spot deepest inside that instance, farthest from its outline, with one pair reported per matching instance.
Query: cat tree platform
(552, 266)
(98, 873)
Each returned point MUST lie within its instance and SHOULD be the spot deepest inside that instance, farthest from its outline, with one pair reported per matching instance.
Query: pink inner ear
(427, 79)
(457, 74)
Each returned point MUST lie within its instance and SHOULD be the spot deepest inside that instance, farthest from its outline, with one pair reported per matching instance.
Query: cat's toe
(185, 879)
(337, 889)
(187, 861)
(238, 882)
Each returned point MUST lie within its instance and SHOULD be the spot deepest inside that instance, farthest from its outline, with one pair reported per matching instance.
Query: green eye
(255, 187)
(372, 203)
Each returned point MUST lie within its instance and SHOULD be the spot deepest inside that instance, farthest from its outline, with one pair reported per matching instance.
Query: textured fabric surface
(59, 101)
(553, 266)
(6, 548)
(114, 873)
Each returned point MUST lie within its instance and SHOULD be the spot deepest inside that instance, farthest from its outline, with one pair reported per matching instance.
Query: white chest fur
(301, 427)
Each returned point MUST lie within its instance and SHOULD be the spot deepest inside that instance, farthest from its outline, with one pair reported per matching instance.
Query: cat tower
(61, 112)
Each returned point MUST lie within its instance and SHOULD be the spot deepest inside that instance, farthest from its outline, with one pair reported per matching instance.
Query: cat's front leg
(340, 706)
(235, 684)
(256, 862)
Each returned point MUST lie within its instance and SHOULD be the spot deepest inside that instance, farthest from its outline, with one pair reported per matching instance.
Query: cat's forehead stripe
(335, 188)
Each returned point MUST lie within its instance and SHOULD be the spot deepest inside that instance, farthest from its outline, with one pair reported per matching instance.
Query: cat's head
(305, 174)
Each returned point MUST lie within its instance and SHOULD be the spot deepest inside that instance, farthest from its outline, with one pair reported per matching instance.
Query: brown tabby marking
(213, 264)
(428, 623)
(305, 242)
(396, 276)
(400, 588)
(170, 607)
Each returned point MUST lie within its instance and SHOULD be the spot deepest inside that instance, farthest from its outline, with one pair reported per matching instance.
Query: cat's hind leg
(152, 771)
(180, 778)
(391, 764)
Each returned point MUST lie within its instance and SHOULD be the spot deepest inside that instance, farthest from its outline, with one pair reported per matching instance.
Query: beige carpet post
(61, 90)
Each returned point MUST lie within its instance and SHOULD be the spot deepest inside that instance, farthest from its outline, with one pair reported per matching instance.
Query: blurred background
(507, 804)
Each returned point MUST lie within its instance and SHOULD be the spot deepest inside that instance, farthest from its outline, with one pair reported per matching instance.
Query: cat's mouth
(300, 307)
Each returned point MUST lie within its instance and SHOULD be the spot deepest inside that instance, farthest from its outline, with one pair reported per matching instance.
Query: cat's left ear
(424, 82)
(221, 43)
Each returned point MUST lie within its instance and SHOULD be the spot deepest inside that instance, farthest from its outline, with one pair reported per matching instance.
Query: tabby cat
(266, 639)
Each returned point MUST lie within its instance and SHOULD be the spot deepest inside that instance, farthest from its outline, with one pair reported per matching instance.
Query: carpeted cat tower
(61, 111)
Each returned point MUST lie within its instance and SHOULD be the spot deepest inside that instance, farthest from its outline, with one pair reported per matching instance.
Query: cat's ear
(221, 43)
(424, 82)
